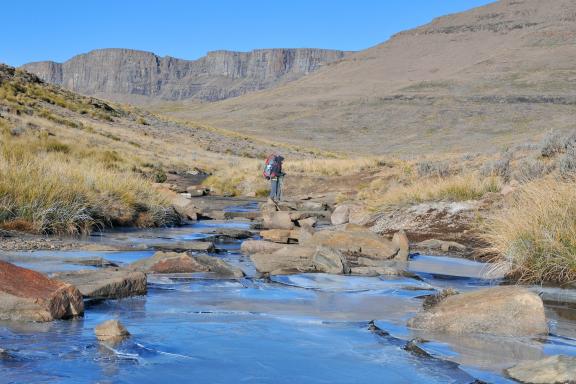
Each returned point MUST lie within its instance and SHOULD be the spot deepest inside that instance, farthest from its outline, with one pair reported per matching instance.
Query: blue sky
(56, 30)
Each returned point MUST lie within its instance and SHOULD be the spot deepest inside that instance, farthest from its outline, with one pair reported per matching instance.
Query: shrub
(536, 235)
(500, 167)
(567, 163)
(531, 169)
(440, 169)
(551, 144)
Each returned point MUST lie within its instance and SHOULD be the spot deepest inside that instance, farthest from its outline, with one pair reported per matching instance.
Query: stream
(308, 328)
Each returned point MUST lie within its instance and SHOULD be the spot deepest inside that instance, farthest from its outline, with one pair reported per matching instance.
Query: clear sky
(34, 30)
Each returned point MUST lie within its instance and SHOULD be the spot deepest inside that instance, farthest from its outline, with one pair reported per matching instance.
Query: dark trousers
(276, 188)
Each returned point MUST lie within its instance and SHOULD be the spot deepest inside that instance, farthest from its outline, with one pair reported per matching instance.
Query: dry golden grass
(410, 190)
(536, 235)
(46, 187)
(333, 167)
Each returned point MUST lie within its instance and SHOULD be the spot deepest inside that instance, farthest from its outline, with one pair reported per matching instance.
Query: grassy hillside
(481, 80)
(69, 163)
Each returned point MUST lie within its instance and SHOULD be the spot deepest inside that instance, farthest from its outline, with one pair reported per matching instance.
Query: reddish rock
(30, 296)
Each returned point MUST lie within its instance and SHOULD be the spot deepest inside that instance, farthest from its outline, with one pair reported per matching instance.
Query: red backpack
(273, 166)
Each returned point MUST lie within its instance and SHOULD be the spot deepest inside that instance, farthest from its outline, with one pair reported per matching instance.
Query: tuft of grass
(469, 186)
(536, 234)
(46, 188)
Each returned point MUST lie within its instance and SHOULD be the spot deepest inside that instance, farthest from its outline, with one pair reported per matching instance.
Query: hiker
(273, 172)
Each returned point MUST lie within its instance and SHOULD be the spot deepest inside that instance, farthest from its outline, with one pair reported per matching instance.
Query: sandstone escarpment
(131, 75)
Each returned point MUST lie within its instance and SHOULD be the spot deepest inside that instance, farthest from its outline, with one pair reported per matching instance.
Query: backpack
(273, 166)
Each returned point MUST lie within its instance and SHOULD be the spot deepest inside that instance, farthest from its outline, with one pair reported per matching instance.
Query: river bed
(308, 328)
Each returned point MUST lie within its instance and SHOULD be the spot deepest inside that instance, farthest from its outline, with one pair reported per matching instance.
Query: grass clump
(44, 188)
(452, 188)
(536, 235)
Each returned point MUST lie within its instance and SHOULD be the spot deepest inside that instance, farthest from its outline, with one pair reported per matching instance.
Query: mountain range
(481, 80)
(137, 76)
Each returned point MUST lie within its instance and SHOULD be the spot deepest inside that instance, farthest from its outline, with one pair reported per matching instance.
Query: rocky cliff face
(129, 75)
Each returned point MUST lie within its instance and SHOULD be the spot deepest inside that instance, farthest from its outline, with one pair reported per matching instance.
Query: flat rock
(107, 283)
(111, 331)
(289, 260)
(232, 233)
(173, 262)
(277, 220)
(26, 295)
(550, 370)
(181, 246)
(500, 311)
(219, 267)
(357, 240)
(257, 246)
(445, 246)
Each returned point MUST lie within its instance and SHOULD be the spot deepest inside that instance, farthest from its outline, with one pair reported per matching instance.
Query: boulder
(180, 263)
(445, 246)
(279, 235)
(185, 207)
(26, 295)
(278, 220)
(232, 233)
(182, 246)
(356, 240)
(550, 370)
(107, 283)
(196, 191)
(312, 206)
(219, 267)
(500, 311)
(111, 331)
(173, 262)
(258, 246)
(213, 215)
(400, 241)
(290, 260)
(310, 222)
(340, 215)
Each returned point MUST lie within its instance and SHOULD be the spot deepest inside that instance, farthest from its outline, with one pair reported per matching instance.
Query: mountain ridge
(431, 88)
(130, 75)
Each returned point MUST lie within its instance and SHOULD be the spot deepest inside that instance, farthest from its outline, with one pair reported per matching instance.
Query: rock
(312, 206)
(111, 331)
(269, 206)
(107, 283)
(219, 267)
(172, 262)
(196, 191)
(232, 233)
(310, 222)
(500, 311)
(242, 215)
(180, 263)
(278, 220)
(279, 235)
(186, 209)
(550, 370)
(301, 215)
(400, 241)
(445, 246)
(357, 240)
(258, 246)
(148, 264)
(213, 215)
(290, 260)
(26, 295)
(340, 215)
(182, 246)
(304, 233)
(376, 271)
(91, 262)
(359, 215)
